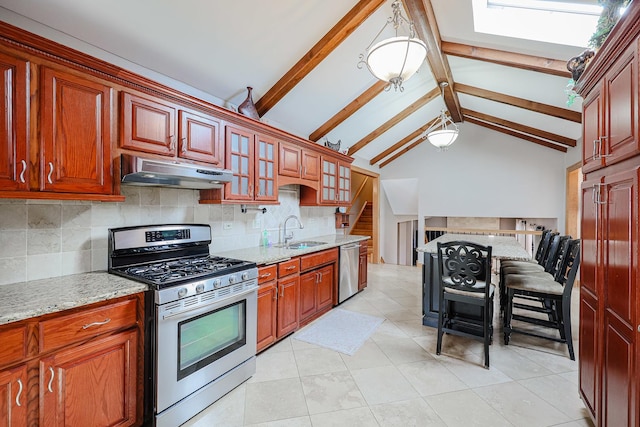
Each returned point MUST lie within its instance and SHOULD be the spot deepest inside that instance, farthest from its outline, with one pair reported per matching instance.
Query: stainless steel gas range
(201, 316)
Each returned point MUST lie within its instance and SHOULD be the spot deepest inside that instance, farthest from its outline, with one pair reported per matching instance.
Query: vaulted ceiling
(301, 59)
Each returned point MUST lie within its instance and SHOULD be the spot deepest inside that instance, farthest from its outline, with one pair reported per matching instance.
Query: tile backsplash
(43, 238)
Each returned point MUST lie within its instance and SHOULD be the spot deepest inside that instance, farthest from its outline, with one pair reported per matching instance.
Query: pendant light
(443, 131)
(395, 59)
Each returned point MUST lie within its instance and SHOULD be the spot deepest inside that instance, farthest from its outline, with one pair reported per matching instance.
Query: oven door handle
(217, 303)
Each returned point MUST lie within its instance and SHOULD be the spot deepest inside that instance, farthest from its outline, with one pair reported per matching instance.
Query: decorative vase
(248, 108)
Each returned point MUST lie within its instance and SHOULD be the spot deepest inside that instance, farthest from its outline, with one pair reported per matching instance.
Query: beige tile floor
(396, 379)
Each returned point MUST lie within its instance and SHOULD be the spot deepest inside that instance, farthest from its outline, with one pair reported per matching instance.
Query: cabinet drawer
(319, 258)
(14, 345)
(286, 268)
(266, 274)
(75, 327)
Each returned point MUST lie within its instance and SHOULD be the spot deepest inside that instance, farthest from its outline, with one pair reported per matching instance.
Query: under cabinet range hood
(163, 173)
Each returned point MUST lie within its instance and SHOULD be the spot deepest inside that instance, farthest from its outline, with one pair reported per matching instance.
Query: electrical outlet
(227, 226)
(257, 223)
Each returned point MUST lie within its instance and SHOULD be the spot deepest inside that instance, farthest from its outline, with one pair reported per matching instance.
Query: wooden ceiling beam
(558, 139)
(420, 102)
(347, 25)
(516, 134)
(413, 135)
(537, 107)
(510, 59)
(347, 111)
(424, 18)
(401, 152)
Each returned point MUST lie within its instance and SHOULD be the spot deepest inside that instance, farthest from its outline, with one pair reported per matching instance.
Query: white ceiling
(222, 47)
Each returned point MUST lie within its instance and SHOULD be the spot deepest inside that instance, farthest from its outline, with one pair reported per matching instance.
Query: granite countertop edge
(25, 300)
(273, 254)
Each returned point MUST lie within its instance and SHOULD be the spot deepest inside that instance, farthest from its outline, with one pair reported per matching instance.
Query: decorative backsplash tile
(49, 238)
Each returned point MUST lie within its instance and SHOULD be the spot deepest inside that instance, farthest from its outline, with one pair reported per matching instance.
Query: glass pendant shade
(396, 57)
(442, 139)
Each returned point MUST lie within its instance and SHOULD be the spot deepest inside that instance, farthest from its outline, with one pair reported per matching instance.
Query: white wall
(483, 174)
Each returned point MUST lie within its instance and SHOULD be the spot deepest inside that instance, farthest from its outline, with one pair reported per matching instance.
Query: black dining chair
(466, 293)
(555, 292)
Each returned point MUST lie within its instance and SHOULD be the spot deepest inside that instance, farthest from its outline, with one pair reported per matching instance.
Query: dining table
(502, 248)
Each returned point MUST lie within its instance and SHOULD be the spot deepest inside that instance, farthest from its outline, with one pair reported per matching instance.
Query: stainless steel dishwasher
(349, 268)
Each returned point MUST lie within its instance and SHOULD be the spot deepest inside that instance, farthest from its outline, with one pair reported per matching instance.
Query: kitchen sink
(304, 244)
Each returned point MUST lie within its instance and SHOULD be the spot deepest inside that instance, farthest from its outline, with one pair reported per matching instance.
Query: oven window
(210, 336)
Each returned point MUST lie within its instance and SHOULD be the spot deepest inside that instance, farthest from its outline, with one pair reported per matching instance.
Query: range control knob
(245, 276)
(199, 288)
(182, 292)
(232, 279)
(216, 283)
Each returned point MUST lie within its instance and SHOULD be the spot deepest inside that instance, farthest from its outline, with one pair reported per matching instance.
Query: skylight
(553, 21)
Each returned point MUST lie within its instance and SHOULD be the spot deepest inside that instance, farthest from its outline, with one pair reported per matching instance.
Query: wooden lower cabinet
(316, 292)
(288, 305)
(13, 396)
(92, 384)
(74, 368)
(292, 293)
(267, 308)
(362, 266)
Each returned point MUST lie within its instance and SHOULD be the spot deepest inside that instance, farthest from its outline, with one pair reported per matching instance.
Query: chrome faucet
(286, 237)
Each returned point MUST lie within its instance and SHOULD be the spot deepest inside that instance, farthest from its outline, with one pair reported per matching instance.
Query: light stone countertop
(24, 300)
(272, 254)
(502, 247)
(19, 301)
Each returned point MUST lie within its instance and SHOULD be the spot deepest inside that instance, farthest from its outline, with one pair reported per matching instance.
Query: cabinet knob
(638, 328)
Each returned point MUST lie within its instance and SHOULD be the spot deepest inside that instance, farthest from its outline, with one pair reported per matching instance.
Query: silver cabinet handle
(595, 156)
(19, 393)
(24, 169)
(53, 374)
(104, 322)
(184, 145)
(50, 173)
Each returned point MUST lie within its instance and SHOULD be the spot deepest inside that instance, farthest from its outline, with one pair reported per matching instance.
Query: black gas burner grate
(180, 269)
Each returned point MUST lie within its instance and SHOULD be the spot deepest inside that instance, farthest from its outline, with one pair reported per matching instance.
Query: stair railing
(364, 206)
(355, 195)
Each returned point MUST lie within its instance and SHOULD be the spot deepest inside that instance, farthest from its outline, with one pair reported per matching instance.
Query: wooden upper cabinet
(14, 161)
(199, 136)
(75, 156)
(296, 162)
(610, 115)
(290, 162)
(336, 182)
(344, 183)
(239, 151)
(148, 124)
(621, 108)
(592, 129)
(310, 165)
(266, 164)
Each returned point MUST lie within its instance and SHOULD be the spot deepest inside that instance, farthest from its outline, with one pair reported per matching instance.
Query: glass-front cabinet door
(344, 183)
(240, 160)
(329, 180)
(266, 168)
